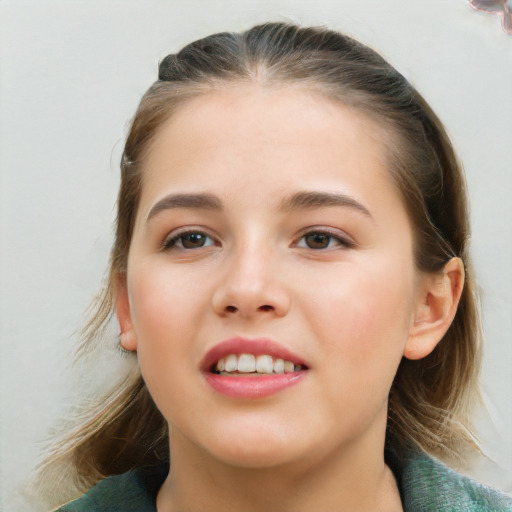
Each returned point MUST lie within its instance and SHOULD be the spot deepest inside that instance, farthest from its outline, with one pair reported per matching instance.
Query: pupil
(317, 241)
(193, 240)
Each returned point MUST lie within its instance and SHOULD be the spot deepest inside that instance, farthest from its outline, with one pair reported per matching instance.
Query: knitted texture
(426, 485)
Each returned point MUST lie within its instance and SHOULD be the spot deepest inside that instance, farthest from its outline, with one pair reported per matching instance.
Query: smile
(263, 364)
(243, 368)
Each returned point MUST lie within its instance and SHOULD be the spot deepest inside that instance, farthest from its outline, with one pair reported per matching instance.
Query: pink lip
(252, 387)
(243, 386)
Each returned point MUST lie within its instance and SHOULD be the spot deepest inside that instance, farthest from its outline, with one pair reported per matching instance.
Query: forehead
(278, 113)
(242, 136)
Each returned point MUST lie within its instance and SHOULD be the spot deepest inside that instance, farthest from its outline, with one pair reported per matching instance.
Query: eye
(323, 240)
(189, 240)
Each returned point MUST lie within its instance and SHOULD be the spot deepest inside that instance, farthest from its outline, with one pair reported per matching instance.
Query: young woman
(291, 270)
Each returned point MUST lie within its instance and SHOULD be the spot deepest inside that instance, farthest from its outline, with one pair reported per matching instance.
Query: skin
(351, 310)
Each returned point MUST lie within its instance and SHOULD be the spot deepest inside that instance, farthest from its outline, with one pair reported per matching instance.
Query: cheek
(365, 315)
(165, 301)
(167, 310)
(165, 316)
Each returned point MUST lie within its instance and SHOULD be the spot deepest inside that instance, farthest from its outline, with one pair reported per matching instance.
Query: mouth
(244, 368)
(250, 364)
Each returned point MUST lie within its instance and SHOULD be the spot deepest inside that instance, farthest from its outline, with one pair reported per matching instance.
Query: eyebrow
(197, 201)
(298, 201)
(310, 200)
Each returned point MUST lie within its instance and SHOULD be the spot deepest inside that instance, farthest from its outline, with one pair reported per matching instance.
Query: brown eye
(317, 240)
(190, 240)
(322, 240)
(193, 240)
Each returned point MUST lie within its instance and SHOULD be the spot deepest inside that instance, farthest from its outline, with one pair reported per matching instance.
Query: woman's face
(268, 226)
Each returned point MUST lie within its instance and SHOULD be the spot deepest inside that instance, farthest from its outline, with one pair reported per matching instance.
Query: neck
(352, 478)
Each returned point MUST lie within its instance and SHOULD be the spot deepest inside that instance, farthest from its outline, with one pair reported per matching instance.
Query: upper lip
(239, 345)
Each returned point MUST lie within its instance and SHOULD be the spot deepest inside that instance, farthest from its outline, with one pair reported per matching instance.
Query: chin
(255, 457)
(255, 448)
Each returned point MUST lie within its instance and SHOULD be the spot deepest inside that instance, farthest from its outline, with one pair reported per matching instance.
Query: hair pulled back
(430, 399)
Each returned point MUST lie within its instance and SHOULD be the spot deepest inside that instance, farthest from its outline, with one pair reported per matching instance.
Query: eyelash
(172, 241)
(342, 241)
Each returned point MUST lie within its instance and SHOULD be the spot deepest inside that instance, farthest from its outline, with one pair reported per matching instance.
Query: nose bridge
(251, 282)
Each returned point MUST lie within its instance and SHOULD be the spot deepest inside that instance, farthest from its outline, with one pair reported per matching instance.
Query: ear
(437, 301)
(127, 336)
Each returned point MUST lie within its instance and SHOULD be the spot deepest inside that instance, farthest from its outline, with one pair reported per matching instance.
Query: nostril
(264, 308)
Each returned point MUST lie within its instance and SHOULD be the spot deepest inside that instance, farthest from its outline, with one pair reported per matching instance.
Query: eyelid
(174, 235)
(345, 239)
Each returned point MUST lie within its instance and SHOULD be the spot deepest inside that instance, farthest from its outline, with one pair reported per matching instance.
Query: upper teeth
(249, 363)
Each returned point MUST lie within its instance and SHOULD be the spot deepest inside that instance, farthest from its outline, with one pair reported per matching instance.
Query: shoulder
(134, 491)
(427, 484)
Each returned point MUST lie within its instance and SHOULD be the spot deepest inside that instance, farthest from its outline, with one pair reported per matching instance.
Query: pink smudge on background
(501, 7)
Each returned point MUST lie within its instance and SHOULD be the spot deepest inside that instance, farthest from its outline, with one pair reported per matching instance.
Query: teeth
(246, 363)
(288, 366)
(249, 363)
(278, 366)
(264, 364)
(231, 364)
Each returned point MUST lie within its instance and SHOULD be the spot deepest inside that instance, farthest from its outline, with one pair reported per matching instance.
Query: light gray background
(71, 75)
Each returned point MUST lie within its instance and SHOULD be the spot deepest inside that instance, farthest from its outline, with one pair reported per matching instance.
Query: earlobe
(127, 336)
(437, 301)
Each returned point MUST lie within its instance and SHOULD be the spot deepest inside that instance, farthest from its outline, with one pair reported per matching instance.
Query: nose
(251, 286)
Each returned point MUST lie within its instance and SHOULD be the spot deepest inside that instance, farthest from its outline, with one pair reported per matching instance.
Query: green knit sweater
(426, 485)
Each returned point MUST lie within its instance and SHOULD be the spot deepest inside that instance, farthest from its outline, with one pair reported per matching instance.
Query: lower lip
(252, 387)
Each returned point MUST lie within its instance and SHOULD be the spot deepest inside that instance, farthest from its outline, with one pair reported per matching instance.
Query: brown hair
(431, 398)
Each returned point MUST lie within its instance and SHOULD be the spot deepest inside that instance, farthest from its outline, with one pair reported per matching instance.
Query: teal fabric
(134, 491)
(426, 485)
